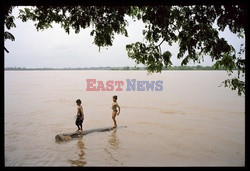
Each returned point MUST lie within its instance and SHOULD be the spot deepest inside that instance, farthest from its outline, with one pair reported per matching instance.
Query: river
(190, 122)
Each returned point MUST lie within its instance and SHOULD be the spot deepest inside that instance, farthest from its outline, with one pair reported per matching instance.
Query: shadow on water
(81, 155)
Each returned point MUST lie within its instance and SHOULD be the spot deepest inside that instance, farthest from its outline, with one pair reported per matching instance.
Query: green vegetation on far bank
(198, 67)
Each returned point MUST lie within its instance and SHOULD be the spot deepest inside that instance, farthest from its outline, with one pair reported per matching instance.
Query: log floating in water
(69, 136)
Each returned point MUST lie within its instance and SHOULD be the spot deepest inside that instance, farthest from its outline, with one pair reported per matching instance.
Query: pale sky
(54, 48)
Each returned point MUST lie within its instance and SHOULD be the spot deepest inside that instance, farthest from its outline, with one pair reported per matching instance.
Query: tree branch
(6, 50)
(161, 42)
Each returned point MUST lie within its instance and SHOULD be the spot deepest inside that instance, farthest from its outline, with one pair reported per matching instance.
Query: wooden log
(68, 136)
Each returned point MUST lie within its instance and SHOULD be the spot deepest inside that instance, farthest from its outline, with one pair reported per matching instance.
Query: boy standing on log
(80, 115)
(115, 111)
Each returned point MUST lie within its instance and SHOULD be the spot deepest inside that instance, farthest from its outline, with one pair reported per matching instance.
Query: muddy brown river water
(191, 122)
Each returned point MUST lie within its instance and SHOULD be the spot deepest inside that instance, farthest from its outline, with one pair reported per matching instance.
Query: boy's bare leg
(81, 127)
(113, 117)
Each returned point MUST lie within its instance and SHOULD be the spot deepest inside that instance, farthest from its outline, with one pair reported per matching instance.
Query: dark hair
(78, 101)
(115, 97)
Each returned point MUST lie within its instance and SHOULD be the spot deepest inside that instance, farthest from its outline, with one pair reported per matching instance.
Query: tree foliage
(192, 27)
(8, 23)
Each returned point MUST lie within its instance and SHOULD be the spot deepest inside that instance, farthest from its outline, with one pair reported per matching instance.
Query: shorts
(79, 121)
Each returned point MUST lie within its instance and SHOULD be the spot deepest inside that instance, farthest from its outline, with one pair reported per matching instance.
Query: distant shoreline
(198, 67)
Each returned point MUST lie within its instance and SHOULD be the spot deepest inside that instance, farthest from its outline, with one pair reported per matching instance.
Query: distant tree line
(198, 67)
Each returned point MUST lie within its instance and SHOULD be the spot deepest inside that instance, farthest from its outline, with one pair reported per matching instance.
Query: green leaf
(8, 35)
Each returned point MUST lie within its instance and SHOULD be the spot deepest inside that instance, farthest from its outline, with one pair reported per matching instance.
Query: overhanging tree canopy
(192, 27)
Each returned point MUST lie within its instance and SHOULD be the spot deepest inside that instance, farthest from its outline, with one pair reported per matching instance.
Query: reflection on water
(114, 141)
(81, 160)
(113, 149)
